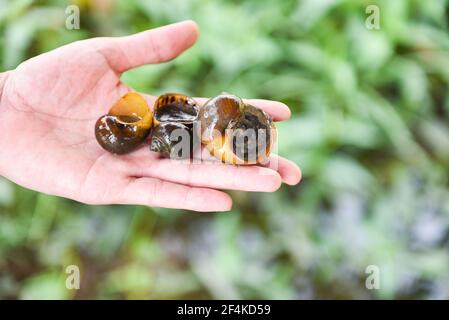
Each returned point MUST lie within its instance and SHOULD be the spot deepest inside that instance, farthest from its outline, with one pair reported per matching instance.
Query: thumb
(151, 46)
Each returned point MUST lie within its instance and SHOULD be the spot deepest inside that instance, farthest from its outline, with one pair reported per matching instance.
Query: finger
(151, 46)
(205, 174)
(158, 193)
(288, 170)
(278, 110)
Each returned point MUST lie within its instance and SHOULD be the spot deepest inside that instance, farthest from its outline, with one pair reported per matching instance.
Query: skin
(48, 108)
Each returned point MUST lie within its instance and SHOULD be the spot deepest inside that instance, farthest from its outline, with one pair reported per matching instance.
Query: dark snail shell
(173, 135)
(126, 126)
(174, 140)
(235, 132)
(175, 107)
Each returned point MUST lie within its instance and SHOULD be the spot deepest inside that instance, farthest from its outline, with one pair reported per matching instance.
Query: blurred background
(369, 129)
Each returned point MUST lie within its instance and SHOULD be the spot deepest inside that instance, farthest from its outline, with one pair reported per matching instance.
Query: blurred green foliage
(369, 129)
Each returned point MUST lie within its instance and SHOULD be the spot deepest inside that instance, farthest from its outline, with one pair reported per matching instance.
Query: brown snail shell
(126, 126)
(175, 116)
(175, 107)
(235, 132)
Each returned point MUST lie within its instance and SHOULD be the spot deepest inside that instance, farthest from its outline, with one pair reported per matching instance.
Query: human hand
(48, 107)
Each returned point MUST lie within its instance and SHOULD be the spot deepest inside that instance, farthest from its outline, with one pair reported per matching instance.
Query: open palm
(50, 103)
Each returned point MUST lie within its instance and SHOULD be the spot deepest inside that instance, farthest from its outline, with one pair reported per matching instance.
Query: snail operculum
(126, 126)
(236, 132)
(175, 116)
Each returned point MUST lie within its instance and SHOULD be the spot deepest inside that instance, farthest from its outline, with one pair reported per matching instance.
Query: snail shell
(175, 116)
(235, 132)
(126, 126)
(175, 107)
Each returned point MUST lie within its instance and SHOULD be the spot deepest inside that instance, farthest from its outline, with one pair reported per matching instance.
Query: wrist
(3, 78)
